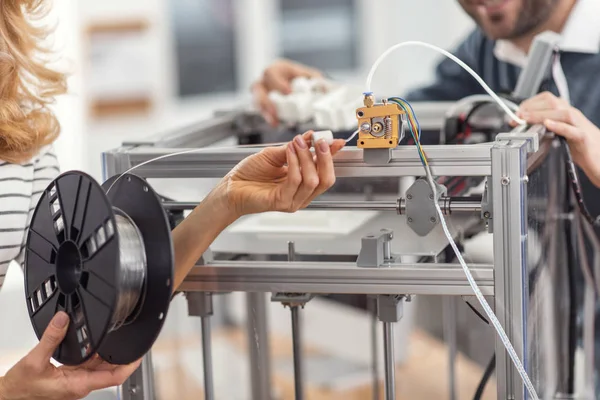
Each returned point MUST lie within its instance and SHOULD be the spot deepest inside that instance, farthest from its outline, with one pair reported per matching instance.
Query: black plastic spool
(62, 272)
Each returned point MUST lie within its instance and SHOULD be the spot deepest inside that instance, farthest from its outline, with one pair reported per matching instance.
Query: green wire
(412, 132)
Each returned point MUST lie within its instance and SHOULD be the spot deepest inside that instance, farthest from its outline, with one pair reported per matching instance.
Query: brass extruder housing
(380, 124)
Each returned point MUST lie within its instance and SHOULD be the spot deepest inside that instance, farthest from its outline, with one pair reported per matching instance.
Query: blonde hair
(27, 87)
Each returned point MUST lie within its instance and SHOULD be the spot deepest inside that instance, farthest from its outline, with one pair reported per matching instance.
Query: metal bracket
(487, 206)
(390, 308)
(421, 214)
(200, 304)
(292, 299)
(539, 61)
(531, 135)
(377, 156)
(375, 249)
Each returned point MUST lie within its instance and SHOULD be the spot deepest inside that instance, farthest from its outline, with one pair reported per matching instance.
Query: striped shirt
(20, 188)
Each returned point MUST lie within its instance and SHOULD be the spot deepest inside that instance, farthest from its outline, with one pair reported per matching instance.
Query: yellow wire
(413, 123)
(411, 116)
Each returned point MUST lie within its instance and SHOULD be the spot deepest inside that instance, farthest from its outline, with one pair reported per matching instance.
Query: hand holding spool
(103, 257)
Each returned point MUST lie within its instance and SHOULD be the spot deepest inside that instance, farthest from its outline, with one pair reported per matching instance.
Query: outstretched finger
(337, 145)
(568, 131)
(51, 339)
(264, 103)
(274, 80)
(538, 117)
(325, 170)
(308, 169)
(293, 181)
(542, 101)
(101, 379)
(302, 70)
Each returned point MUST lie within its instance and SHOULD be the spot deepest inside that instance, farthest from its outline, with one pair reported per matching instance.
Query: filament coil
(132, 272)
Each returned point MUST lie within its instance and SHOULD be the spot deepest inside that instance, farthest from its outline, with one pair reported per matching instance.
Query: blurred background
(142, 67)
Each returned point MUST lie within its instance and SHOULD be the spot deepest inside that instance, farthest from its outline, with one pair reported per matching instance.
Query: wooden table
(423, 376)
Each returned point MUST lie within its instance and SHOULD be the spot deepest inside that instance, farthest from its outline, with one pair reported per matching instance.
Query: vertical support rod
(511, 289)
(209, 390)
(148, 378)
(258, 344)
(132, 388)
(296, 338)
(140, 384)
(374, 348)
(297, 354)
(390, 361)
(449, 309)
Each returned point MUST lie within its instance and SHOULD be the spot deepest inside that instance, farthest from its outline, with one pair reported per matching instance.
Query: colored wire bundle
(413, 123)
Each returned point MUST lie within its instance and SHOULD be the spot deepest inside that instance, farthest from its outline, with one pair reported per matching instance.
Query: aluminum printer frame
(503, 162)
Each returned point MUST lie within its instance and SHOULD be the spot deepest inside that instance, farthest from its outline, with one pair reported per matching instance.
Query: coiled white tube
(453, 58)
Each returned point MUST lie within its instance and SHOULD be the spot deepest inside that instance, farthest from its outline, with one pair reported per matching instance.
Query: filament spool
(106, 259)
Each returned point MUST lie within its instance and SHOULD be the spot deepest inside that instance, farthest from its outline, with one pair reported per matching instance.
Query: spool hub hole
(68, 267)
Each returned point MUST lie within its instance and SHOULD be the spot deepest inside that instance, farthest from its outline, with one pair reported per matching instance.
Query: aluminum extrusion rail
(455, 160)
(329, 278)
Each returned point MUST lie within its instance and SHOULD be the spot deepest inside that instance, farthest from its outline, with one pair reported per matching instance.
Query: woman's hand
(35, 378)
(285, 178)
(278, 77)
(559, 117)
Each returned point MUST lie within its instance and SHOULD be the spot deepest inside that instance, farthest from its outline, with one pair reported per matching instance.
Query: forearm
(193, 236)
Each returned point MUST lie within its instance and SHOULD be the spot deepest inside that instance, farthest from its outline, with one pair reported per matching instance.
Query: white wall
(66, 43)
(442, 23)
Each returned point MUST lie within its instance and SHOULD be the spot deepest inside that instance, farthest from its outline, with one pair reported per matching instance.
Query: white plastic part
(336, 110)
(325, 135)
(327, 104)
(294, 108)
(297, 107)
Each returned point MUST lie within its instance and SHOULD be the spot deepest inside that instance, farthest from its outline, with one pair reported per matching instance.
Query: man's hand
(278, 77)
(559, 117)
(35, 378)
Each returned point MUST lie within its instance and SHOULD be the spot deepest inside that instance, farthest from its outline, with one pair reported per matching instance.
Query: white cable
(560, 79)
(488, 310)
(353, 135)
(205, 149)
(453, 58)
(199, 150)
